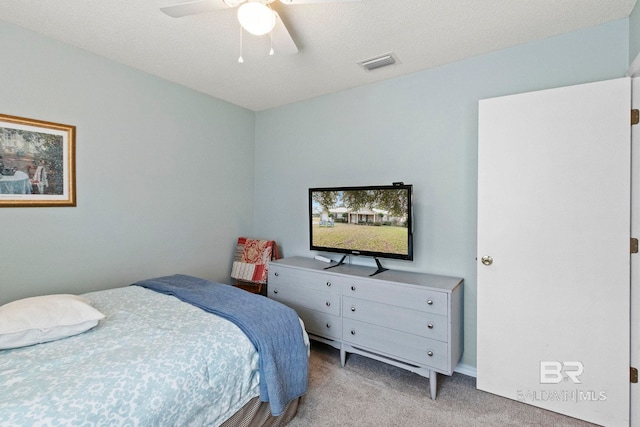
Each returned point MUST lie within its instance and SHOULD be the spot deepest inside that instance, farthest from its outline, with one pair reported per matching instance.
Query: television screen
(373, 221)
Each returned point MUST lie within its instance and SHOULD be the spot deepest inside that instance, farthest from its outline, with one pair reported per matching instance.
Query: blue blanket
(273, 328)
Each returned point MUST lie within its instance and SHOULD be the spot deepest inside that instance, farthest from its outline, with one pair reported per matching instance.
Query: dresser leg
(343, 357)
(433, 383)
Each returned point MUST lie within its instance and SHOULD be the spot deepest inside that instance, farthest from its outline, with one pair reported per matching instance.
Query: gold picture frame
(37, 163)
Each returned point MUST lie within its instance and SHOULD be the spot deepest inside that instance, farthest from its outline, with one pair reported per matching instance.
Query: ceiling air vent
(378, 62)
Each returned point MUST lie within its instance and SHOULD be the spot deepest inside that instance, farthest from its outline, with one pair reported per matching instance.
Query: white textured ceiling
(201, 51)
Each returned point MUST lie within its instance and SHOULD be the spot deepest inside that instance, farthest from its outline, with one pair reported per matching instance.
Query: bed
(152, 360)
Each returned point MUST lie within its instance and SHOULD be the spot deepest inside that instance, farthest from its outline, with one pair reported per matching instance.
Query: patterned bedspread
(273, 328)
(153, 361)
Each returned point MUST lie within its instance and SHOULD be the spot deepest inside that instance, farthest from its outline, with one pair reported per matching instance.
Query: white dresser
(410, 320)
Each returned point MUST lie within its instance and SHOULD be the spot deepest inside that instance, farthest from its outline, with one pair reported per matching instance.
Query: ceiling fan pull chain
(240, 58)
(271, 52)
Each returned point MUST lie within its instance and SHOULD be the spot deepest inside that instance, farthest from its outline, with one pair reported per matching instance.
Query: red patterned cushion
(252, 259)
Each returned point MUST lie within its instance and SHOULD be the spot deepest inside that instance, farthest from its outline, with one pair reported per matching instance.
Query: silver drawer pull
(275, 291)
(328, 325)
(430, 353)
(353, 332)
(430, 302)
(430, 325)
(328, 303)
(353, 308)
(276, 274)
(328, 283)
(353, 287)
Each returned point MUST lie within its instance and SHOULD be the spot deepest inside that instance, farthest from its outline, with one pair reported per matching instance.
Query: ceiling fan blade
(314, 1)
(193, 7)
(283, 44)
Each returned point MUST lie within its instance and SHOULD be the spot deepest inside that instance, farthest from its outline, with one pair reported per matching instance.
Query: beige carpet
(370, 393)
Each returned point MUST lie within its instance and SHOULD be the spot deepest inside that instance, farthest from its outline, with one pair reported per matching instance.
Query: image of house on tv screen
(370, 221)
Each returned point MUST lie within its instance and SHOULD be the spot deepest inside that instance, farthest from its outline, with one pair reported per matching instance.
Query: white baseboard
(466, 370)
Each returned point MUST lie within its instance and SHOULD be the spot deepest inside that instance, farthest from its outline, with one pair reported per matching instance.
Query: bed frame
(257, 414)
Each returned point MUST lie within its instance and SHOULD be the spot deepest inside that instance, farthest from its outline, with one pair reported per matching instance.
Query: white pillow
(45, 318)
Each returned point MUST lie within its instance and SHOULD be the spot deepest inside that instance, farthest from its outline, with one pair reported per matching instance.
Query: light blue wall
(158, 186)
(420, 129)
(167, 178)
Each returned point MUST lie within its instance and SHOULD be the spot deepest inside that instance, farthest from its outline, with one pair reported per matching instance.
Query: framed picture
(37, 163)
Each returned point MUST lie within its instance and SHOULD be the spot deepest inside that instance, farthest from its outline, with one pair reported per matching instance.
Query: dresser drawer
(396, 344)
(389, 293)
(321, 324)
(300, 296)
(415, 322)
(309, 279)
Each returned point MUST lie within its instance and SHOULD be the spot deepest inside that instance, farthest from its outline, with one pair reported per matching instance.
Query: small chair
(251, 264)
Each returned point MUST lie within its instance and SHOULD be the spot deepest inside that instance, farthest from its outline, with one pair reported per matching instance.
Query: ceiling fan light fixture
(256, 18)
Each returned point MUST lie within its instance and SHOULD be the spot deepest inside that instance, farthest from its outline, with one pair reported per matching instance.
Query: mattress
(153, 360)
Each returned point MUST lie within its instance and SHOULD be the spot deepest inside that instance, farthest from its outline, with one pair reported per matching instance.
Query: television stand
(380, 268)
(378, 271)
(338, 264)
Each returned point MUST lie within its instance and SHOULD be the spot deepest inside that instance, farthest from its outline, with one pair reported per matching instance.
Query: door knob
(487, 260)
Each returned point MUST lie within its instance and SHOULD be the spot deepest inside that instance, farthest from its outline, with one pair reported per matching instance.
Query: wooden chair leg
(255, 288)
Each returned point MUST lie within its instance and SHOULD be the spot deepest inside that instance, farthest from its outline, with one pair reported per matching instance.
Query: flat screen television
(374, 221)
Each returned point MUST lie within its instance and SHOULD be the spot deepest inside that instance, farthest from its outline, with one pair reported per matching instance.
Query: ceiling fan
(255, 16)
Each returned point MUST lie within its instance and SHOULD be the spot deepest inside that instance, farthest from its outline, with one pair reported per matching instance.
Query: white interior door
(635, 259)
(554, 216)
